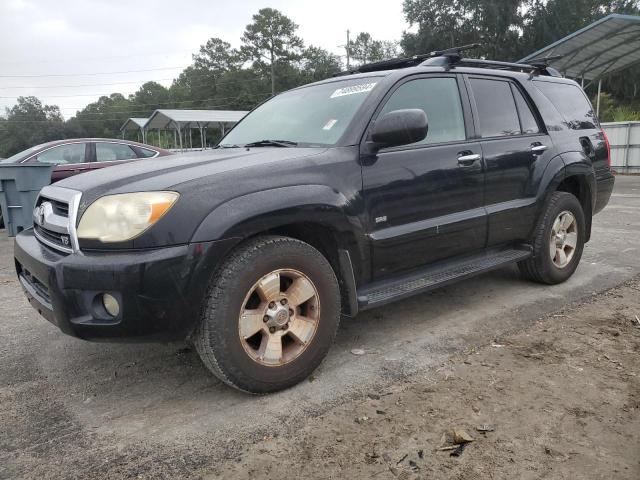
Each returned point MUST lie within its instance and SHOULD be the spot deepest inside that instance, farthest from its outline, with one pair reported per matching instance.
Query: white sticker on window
(329, 125)
(362, 88)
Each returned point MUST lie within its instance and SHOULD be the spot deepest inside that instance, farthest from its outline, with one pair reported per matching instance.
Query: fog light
(110, 305)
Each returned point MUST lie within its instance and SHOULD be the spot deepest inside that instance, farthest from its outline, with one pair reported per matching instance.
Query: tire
(541, 267)
(245, 284)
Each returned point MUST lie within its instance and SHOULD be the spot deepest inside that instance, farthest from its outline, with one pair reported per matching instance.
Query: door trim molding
(438, 225)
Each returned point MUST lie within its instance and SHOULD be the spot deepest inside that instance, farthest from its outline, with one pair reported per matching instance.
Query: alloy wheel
(564, 238)
(279, 317)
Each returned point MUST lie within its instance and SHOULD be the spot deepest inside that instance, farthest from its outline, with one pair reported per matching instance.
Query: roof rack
(405, 62)
(452, 57)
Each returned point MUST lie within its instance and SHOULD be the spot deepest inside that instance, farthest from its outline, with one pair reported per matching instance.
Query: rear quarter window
(572, 104)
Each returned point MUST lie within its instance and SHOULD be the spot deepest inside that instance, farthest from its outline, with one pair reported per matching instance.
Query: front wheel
(558, 241)
(270, 316)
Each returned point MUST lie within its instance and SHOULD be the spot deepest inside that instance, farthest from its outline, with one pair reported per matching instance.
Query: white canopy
(133, 123)
(162, 119)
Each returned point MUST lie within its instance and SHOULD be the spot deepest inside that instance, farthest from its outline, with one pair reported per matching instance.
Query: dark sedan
(73, 156)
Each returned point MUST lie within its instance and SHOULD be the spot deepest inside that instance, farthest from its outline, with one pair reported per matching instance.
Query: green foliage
(365, 49)
(625, 114)
(271, 39)
(29, 123)
(317, 64)
(494, 23)
(612, 111)
(272, 58)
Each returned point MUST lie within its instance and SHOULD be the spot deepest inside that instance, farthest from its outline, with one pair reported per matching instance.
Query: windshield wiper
(226, 145)
(272, 143)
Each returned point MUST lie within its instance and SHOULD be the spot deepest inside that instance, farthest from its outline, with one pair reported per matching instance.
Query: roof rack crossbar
(532, 68)
(404, 62)
(452, 57)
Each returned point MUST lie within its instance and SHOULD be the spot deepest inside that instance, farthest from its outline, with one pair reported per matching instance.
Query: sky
(69, 52)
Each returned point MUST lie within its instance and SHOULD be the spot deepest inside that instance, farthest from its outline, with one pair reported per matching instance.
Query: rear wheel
(558, 241)
(270, 316)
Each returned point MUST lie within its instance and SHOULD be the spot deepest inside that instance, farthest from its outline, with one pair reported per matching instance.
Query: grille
(59, 208)
(59, 239)
(51, 218)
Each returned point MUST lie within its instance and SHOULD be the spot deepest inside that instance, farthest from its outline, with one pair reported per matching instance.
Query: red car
(73, 156)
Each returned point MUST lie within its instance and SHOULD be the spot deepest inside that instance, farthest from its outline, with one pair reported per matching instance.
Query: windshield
(20, 155)
(311, 116)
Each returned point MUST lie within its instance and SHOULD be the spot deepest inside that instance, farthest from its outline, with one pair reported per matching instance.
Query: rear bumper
(604, 186)
(160, 291)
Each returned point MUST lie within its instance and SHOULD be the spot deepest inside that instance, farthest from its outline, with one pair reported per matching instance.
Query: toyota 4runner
(326, 200)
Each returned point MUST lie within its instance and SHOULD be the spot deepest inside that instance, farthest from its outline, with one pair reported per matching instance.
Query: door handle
(466, 159)
(538, 148)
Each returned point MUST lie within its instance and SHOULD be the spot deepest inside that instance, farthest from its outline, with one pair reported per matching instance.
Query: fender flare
(252, 213)
(248, 215)
(561, 167)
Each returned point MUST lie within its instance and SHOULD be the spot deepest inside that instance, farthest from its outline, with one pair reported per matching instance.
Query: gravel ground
(560, 399)
(74, 409)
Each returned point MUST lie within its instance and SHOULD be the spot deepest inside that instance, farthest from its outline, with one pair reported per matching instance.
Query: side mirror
(400, 127)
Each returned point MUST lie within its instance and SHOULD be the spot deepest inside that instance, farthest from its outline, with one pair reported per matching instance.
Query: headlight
(118, 218)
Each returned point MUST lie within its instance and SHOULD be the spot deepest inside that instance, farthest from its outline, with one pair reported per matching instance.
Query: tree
(104, 117)
(494, 23)
(217, 57)
(365, 49)
(317, 63)
(29, 123)
(271, 38)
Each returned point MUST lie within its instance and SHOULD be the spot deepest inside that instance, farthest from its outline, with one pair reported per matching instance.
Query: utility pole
(348, 45)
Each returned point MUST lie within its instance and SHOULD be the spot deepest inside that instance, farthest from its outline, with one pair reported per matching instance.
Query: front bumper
(160, 291)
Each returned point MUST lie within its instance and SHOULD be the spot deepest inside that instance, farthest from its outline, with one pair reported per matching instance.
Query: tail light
(606, 142)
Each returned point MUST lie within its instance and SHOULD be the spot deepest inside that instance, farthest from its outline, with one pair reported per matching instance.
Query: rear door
(515, 147)
(424, 201)
(112, 153)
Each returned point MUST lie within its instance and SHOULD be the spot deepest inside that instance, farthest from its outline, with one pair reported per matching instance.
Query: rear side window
(146, 153)
(496, 108)
(62, 155)
(527, 119)
(439, 98)
(107, 152)
(572, 104)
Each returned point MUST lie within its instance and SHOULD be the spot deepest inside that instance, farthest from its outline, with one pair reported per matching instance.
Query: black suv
(328, 199)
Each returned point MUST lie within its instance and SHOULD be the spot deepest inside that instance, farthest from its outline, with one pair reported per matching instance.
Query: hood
(167, 173)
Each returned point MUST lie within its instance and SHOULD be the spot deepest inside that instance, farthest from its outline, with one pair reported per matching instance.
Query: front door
(424, 201)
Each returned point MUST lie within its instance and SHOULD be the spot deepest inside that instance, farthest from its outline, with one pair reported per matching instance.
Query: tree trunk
(273, 75)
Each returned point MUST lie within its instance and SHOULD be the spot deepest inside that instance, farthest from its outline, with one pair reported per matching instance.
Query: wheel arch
(572, 173)
(579, 187)
(314, 214)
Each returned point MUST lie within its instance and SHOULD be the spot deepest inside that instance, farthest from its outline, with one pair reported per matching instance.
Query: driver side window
(439, 98)
(62, 155)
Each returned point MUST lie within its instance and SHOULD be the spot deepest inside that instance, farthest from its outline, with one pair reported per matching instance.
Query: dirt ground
(562, 398)
(71, 409)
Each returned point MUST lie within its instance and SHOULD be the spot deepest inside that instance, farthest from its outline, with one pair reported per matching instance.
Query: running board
(438, 275)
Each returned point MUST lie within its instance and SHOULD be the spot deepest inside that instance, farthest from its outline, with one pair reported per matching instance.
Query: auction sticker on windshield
(363, 87)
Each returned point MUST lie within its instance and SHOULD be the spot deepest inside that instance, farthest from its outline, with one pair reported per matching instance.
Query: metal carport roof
(162, 119)
(603, 47)
(133, 123)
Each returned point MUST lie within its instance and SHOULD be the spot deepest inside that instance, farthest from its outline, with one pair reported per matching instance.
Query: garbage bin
(19, 188)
